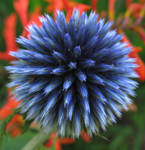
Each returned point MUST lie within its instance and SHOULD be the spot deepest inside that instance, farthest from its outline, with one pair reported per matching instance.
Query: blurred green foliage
(128, 133)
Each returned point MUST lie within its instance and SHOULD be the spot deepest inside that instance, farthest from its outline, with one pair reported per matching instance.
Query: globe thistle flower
(73, 76)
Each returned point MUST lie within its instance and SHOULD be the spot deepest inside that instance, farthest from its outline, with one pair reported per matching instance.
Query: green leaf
(10, 143)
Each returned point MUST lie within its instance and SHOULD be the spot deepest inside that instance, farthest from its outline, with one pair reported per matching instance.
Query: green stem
(37, 140)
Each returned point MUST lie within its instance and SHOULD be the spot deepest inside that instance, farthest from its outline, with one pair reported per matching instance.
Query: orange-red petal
(21, 7)
(94, 5)
(33, 18)
(8, 108)
(128, 3)
(48, 143)
(10, 32)
(16, 131)
(141, 69)
(14, 126)
(80, 7)
(55, 5)
(67, 4)
(111, 9)
(10, 37)
(57, 145)
(85, 137)
(58, 5)
(66, 140)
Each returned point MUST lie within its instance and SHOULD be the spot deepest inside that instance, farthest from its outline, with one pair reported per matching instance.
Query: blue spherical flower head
(74, 75)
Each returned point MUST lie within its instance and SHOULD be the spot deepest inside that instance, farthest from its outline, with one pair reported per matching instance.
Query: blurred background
(129, 132)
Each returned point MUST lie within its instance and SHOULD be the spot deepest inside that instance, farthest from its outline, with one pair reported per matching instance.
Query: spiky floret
(73, 75)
